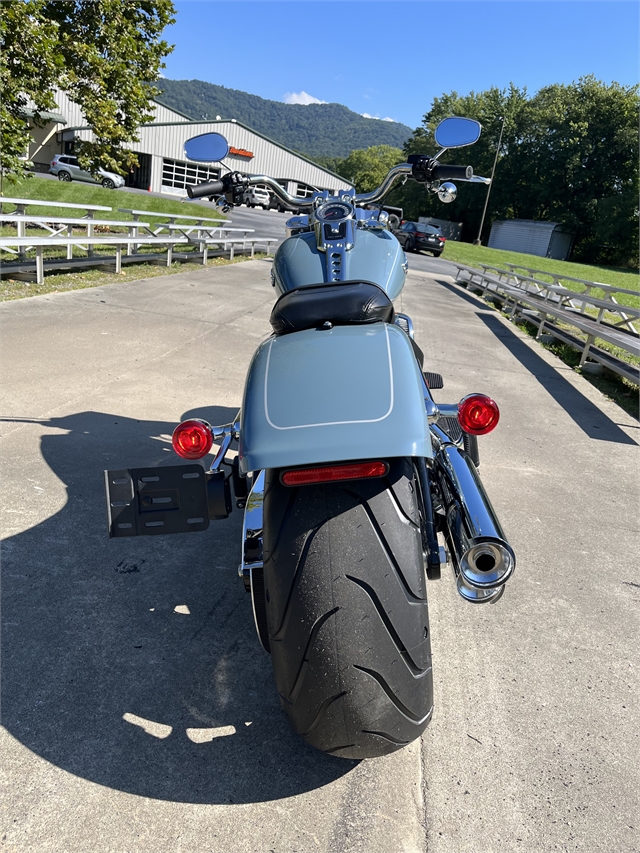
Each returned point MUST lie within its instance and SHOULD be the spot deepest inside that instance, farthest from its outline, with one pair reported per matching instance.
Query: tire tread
(345, 597)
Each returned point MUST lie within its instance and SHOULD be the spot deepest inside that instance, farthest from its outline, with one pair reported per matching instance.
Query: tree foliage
(569, 154)
(367, 168)
(105, 54)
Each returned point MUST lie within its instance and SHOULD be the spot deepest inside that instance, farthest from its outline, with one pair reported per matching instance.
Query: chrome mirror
(447, 192)
(455, 132)
(206, 148)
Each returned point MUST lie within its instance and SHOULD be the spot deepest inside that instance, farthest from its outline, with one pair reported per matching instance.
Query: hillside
(317, 130)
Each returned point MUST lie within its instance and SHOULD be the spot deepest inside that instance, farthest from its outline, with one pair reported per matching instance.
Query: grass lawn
(81, 193)
(618, 389)
(466, 253)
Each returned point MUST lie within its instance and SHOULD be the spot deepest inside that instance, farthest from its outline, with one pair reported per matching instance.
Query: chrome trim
(296, 225)
(385, 186)
(222, 451)
(335, 260)
(224, 435)
(405, 320)
(478, 596)
(339, 245)
(283, 195)
(472, 527)
(252, 530)
(433, 411)
(497, 569)
(447, 192)
(448, 410)
(377, 222)
(476, 179)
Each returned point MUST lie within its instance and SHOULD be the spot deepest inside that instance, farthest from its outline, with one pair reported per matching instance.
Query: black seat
(343, 304)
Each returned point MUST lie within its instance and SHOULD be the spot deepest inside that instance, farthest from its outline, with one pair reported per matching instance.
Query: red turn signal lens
(333, 473)
(478, 414)
(192, 439)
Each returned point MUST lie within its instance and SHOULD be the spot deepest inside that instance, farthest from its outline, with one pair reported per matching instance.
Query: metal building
(545, 239)
(162, 166)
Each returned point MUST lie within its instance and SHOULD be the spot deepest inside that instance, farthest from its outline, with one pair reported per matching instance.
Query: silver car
(66, 167)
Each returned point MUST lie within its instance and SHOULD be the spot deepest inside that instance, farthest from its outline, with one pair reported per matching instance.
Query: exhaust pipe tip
(478, 596)
(487, 565)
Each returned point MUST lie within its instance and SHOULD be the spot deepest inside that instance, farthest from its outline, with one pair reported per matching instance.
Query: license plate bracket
(152, 501)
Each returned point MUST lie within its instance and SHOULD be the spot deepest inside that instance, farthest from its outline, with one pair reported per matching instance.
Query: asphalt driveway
(138, 708)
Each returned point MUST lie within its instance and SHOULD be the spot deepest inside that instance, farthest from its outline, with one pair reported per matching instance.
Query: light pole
(477, 241)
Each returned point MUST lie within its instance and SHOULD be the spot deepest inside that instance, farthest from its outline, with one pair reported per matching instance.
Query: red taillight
(478, 414)
(192, 439)
(333, 473)
(443, 239)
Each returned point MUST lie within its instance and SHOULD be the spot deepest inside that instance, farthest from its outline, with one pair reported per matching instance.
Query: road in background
(139, 711)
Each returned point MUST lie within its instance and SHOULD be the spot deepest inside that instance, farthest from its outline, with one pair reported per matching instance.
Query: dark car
(415, 236)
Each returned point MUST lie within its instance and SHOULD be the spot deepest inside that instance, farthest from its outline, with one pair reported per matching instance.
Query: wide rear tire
(346, 610)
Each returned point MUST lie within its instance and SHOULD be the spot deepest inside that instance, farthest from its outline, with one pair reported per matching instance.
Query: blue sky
(389, 58)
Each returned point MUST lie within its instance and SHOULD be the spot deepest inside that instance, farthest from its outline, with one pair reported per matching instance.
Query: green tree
(105, 54)
(569, 154)
(366, 167)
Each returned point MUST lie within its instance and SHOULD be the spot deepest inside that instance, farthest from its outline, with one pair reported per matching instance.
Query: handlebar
(236, 181)
(451, 173)
(201, 190)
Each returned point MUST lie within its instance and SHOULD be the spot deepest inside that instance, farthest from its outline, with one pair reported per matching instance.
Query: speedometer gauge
(334, 212)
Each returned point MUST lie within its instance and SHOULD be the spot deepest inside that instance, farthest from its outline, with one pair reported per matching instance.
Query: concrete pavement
(139, 711)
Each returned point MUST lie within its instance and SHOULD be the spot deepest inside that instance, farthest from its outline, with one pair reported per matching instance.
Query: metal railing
(553, 308)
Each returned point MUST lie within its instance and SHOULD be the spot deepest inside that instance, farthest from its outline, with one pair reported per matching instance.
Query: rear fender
(330, 395)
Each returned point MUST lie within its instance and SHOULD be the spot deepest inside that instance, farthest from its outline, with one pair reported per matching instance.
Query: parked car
(414, 236)
(257, 197)
(66, 167)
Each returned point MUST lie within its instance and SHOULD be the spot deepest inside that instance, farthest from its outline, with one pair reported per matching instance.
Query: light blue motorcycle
(347, 470)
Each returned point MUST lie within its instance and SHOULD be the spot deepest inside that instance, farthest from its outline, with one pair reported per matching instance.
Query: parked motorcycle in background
(347, 470)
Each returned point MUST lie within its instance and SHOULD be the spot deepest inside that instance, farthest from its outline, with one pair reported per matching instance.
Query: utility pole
(477, 241)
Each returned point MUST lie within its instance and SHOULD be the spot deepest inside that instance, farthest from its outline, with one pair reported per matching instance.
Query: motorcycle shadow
(134, 663)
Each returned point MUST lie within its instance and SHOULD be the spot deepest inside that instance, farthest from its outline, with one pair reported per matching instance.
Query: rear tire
(345, 596)
(64, 176)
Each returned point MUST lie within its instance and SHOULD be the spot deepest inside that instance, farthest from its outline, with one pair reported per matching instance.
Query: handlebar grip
(442, 172)
(201, 190)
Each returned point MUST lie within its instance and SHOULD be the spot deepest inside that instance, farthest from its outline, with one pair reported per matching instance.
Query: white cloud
(366, 115)
(301, 98)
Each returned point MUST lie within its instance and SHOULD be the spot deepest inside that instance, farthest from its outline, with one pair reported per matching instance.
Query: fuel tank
(376, 256)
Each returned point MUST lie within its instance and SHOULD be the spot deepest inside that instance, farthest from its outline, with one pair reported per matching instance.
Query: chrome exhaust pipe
(482, 558)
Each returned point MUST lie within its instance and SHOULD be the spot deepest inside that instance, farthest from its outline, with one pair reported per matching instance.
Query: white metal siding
(522, 235)
(165, 138)
(163, 113)
(76, 118)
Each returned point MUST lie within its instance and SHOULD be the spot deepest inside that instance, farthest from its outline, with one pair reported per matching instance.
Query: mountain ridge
(315, 130)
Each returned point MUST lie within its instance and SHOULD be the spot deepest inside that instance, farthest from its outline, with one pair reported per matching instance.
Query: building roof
(227, 121)
(46, 116)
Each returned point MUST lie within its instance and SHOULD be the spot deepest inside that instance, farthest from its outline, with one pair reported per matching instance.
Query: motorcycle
(347, 469)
